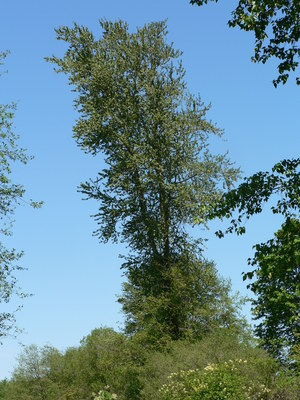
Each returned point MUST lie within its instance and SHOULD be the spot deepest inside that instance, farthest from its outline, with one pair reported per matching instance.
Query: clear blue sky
(75, 279)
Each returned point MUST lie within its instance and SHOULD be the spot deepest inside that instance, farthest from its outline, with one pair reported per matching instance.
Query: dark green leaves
(276, 26)
(11, 194)
(277, 289)
(135, 109)
(277, 283)
(283, 183)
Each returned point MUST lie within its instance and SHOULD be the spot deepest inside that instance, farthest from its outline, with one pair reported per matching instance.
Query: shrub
(213, 349)
(286, 386)
(224, 381)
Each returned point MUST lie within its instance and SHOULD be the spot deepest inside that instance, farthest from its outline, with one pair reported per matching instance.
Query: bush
(224, 381)
(105, 395)
(216, 348)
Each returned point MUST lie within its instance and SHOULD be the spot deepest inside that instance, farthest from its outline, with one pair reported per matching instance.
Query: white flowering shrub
(224, 381)
(105, 395)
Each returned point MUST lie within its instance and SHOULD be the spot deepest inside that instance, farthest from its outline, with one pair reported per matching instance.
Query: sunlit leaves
(275, 25)
(277, 289)
(135, 109)
(282, 184)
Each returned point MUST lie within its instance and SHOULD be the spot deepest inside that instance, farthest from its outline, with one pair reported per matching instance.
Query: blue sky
(75, 279)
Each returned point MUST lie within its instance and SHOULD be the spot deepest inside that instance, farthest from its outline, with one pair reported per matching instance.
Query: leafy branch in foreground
(277, 290)
(277, 262)
(250, 196)
(276, 26)
(11, 195)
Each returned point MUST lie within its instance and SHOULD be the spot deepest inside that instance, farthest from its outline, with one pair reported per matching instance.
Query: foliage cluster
(276, 273)
(217, 347)
(104, 358)
(11, 194)
(108, 365)
(277, 290)
(275, 25)
(243, 379)
(248, 199)
(216, 381)
(105, 395)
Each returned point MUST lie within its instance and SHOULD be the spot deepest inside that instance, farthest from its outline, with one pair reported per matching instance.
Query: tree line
(110, 365)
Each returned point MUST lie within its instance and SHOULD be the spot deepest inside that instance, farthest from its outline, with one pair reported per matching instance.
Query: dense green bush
(257, 377)
(286, 386)
(223, 381)
(111, 359)
(218, 347)
(108, 365)
(104, 358)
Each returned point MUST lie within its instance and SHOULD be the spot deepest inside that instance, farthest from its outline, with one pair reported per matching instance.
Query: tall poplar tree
(135, 109)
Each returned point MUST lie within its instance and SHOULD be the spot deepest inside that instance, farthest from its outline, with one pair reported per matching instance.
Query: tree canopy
(276, 283)
(275, 25)
(134, 108)
(277, 290)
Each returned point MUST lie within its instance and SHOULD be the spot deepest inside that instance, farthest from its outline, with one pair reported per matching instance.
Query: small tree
(135, 108)
(11, 194)
(33, 377)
